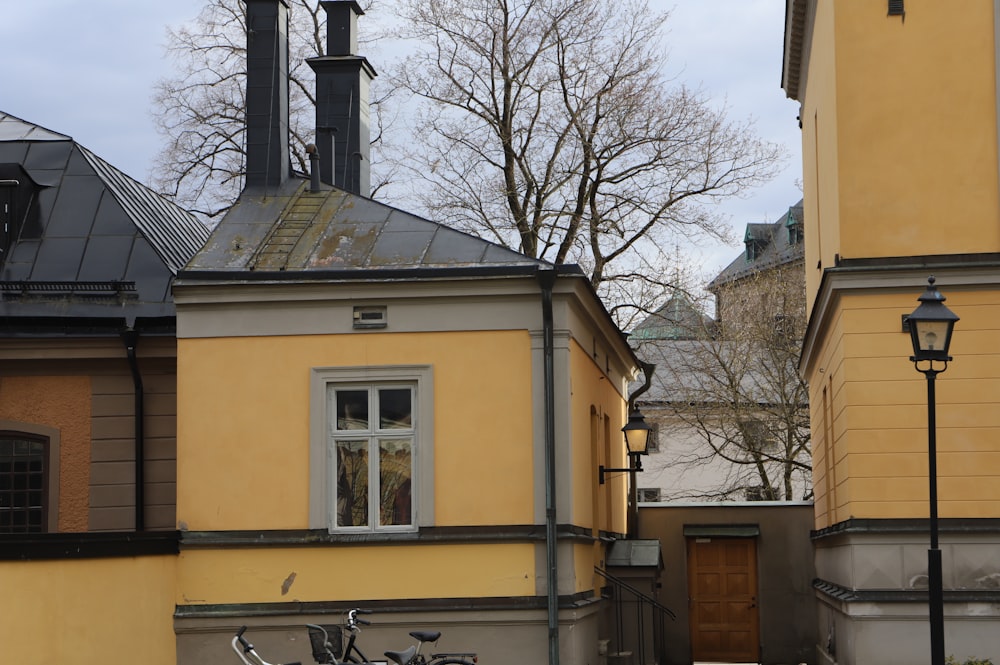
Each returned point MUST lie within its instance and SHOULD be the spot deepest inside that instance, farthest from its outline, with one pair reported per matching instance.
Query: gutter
(547, 279)
(130, 336)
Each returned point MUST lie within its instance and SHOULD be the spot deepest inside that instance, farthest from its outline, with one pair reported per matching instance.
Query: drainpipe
(130, 336)
(632, 527)
(547, 279)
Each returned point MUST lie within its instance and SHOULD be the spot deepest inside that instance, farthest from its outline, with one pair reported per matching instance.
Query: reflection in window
(372, 457)
(352, 483)
(352, 409)
(395, 475)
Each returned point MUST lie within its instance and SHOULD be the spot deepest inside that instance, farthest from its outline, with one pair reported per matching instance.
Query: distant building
(730, 411)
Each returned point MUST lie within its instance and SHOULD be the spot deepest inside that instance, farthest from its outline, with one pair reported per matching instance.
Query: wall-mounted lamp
(636, 442)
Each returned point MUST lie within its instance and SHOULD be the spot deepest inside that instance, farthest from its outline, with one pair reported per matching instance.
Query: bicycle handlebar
(352, 617)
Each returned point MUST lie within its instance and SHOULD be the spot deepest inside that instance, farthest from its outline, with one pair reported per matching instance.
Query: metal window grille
(22, 484)
(896, 8)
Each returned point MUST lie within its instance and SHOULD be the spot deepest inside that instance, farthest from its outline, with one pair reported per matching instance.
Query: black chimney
(268, 159)
(342, 117)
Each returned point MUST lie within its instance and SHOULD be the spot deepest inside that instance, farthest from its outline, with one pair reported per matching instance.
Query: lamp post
(931, 325)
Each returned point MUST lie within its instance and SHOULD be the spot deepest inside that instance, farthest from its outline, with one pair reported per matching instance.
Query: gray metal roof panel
(13, 153)
(13, 128)
(58, 260)
(94, 224)
(105, 258)
(175, 233)
(634, 553)
(75, 207)
(296, 230)
(48, 156)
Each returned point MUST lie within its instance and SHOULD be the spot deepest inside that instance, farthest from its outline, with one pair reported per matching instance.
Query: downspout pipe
(547, 279)
(130, 336)
(632, 525)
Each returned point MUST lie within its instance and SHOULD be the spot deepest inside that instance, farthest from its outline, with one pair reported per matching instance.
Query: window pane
(395, 476)
(352, 483)
(352, 409)
(395, 408)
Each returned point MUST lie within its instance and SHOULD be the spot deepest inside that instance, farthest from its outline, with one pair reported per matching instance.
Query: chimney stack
(268, 158)
(343, 80)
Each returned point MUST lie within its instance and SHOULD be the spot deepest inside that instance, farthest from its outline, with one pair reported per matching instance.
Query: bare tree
(544, 125)
(549, 127)
(733, 399)
(201, 110)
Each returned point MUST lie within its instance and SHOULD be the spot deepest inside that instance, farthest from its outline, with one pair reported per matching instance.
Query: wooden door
(722, 585)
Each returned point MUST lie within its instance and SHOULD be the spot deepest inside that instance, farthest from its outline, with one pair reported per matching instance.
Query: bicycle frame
(245, 651)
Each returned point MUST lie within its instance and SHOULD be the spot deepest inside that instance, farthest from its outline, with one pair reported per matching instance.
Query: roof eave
(792, 60)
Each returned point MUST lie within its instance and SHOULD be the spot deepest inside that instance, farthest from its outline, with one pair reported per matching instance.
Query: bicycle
(327, 653)
(412, 655)
(246, 652)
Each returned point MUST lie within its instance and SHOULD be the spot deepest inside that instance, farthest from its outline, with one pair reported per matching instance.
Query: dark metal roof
(91, 242)
(772, 248)
(331, 233)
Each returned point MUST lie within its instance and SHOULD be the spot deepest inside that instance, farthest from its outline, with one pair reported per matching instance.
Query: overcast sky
(86, 68)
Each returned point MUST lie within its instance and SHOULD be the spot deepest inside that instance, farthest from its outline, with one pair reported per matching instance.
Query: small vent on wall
(896, 8)
(370, 316)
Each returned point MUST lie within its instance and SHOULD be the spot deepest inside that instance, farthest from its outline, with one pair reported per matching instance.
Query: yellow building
(327, 404)
(377, 411)
(899, 120)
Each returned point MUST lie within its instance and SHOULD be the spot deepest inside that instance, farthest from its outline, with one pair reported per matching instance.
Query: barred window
(23, 491)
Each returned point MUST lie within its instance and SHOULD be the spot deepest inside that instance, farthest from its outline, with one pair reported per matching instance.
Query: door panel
(722, 583)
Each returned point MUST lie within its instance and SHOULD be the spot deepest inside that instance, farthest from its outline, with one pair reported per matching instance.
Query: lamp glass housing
(931, 325)
(636, 433)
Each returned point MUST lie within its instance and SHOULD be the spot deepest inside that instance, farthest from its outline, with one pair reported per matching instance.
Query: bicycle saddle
(401, 657)
(426, 635)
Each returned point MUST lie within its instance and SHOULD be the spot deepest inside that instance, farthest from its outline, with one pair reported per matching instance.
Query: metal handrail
(642, 600)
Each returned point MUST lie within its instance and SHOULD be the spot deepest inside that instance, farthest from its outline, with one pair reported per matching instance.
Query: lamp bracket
(603, 470)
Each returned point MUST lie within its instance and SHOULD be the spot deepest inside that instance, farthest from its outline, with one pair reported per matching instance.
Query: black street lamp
(636, 443)
(931, 325)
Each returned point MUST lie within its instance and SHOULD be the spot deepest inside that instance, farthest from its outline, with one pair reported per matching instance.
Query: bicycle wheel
(450, 661)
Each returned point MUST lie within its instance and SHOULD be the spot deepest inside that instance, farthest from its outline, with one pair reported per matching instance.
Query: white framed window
(371, 452)
(370, 456)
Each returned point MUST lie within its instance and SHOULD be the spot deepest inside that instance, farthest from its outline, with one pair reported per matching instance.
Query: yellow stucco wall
(243, 424)
(598, 409)
(62, 403)
(870, 426)
(104, 610)
(820, 176)
(916, 128)
(373, 572)
(899, 129)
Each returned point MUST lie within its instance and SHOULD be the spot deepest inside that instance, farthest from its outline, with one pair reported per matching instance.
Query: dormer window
(17, 203)
(794, 226)
(756, 239)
